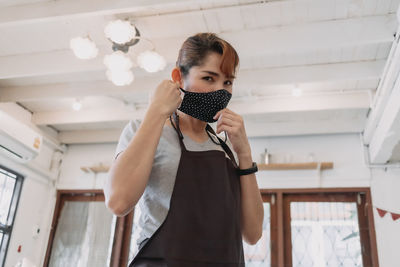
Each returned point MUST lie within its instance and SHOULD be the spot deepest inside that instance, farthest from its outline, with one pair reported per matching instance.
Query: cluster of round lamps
(123, 35)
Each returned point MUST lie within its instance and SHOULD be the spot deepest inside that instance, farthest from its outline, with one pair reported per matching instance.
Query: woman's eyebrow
(211, 73)
(217, 75)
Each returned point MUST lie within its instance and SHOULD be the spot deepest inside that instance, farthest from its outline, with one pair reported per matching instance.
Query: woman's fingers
(225, 128)
(227, 111)
(227, 115)
(233, 124)
(228, 120)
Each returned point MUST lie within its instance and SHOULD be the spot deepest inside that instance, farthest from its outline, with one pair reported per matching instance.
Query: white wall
(34, 211)
(344, 150)
(77, 156)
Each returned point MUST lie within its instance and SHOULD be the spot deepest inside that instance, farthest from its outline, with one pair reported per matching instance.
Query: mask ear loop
(212, 138)
(226, 137)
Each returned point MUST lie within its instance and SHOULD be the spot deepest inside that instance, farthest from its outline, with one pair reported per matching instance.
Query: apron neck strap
(177, 129)
(224, 146)
(209, 129)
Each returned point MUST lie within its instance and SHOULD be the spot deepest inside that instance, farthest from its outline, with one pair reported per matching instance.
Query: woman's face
(208, 77)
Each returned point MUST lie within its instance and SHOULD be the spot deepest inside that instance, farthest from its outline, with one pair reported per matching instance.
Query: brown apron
(202, 227)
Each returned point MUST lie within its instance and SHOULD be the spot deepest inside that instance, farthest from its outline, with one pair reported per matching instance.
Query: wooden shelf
(262, 167)
(295, 166)
(95, 169)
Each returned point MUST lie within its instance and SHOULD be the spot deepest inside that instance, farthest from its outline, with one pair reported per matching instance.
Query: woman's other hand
(233, 124)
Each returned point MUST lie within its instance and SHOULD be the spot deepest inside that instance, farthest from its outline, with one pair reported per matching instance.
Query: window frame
(8, 227)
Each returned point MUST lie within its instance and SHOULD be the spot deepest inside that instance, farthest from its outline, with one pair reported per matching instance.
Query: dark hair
(195, 49)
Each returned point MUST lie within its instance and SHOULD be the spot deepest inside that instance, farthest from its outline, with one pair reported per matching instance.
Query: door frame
(282, 245)
(122, 232)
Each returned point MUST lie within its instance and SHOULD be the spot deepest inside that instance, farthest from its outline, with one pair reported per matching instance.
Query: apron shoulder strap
(209, 129)
(178, 130)
(224, 146)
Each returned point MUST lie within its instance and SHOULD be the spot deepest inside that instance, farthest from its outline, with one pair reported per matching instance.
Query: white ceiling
(334, 50)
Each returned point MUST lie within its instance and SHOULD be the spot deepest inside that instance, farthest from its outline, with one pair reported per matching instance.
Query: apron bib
(202, 227)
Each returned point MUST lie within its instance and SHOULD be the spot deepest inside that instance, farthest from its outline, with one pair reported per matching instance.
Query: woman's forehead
(212, 59)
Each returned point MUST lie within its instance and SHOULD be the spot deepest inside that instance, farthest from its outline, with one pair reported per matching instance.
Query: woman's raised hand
(166, 98)
(233, 124)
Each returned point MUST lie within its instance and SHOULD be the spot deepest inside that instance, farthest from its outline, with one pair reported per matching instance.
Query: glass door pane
(325, 234)
(260, 253)
(83, 235)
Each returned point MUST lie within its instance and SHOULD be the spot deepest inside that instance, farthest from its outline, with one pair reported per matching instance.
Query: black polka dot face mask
(204, 106)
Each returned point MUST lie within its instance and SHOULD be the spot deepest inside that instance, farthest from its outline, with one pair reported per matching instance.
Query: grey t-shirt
(155, 201)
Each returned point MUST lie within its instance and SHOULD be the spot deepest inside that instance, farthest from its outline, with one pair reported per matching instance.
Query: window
(315, 227)
(325, 234)
(10, 189)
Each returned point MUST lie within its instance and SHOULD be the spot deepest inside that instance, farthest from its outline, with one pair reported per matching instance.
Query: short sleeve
(126, 136)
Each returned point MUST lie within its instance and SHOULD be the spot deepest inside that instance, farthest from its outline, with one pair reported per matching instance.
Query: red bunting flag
(395, 216)
(381, 212)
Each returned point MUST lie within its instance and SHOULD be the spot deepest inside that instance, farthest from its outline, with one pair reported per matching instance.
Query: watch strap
(250, 170)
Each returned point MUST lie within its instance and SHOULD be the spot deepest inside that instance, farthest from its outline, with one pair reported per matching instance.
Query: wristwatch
(250, 170)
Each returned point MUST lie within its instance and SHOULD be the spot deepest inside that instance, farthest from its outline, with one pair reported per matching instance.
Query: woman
(196, 201)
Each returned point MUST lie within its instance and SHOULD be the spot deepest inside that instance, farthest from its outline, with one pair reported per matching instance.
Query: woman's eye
(228, 82)
(208, 78)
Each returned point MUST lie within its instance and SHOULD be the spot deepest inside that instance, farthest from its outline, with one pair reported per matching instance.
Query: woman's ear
(176, 76)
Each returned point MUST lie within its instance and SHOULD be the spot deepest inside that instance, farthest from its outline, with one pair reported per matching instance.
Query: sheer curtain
(83, 235)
